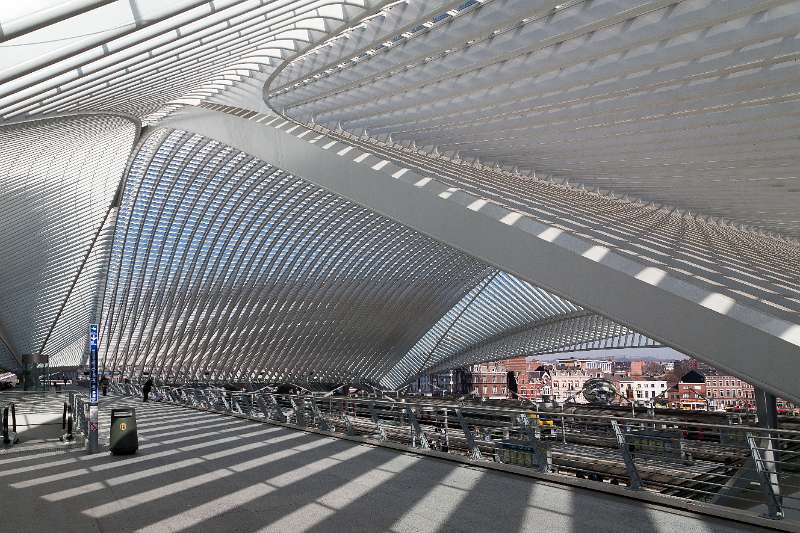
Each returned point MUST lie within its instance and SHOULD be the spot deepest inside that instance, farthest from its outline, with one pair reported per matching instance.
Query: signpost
(93, 390)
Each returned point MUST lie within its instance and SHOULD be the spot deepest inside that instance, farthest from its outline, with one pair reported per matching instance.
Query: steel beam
(630, 464)
(10, 346)
(40, 19)
(727, 333)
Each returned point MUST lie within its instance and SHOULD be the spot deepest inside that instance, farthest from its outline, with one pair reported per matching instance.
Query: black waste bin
(124, 439)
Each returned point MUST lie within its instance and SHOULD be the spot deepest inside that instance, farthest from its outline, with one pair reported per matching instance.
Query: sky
(662, 354)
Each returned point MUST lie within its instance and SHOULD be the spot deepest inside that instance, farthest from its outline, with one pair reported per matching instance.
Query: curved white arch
(688, 315)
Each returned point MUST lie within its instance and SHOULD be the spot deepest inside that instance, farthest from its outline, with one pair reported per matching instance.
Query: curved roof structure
(367, 189)
(226, 267)
(690, 104)
(58, 181)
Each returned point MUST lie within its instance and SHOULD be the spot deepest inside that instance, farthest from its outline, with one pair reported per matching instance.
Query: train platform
(199, 471)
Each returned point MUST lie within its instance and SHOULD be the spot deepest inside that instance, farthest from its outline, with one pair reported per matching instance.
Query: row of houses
(564, 380)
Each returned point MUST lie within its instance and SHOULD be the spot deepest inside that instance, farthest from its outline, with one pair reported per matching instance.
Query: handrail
(511, 411)
(7, 439)
(67, 421)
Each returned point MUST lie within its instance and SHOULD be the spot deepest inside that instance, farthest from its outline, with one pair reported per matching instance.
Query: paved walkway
(205, 472)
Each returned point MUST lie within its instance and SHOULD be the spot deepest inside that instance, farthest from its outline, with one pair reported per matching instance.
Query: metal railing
(79, 406)
(735, 465)
(9, 423)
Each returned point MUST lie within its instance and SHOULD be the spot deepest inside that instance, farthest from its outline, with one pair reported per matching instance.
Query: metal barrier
(67, 422)
(80, 411)
(34, 409)
(9, 435)
(742, 466)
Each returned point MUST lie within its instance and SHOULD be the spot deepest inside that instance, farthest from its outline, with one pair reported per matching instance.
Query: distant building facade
(489, 380)
(643, 389)
(637, 368)
(568, 384)
(690, 393)
(730, 393)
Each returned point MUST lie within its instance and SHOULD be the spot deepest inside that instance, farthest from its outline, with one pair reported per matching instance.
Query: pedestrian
(104, 385)
(148, 386)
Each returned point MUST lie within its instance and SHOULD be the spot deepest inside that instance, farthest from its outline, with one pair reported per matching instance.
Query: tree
(681, 368)
(653, 368)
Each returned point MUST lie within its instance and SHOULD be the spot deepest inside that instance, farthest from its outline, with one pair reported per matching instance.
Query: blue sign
(93, 381)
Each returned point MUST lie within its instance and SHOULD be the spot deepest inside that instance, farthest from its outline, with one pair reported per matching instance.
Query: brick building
(690, 393)
(730, 393)
(489, 380)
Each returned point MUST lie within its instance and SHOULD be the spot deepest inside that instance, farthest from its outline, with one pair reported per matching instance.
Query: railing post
(346, 418)
(764, 460)
(299, 415)
(474, 451)
(225, 403)
(542, 452)
(376, 420)
(235, 405)
(418, 433)
(318, 418)
(262, 404)
(271, 411)
(66, 423)
(630, 465)
(4, 423)
(201, 399)
(765, 454)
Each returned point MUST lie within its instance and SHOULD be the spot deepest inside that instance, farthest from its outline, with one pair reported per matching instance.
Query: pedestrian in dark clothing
(148, 386)
(104, 385)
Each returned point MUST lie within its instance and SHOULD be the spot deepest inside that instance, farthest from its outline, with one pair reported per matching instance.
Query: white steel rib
(636, 158)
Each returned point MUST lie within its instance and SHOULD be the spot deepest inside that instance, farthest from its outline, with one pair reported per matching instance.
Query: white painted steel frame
(227, 268)
(729, 333)
(254, 273)
(189, 51)
(688, 103)
(58, 180)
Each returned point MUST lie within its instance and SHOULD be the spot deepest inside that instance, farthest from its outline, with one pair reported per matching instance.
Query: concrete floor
(205, 472)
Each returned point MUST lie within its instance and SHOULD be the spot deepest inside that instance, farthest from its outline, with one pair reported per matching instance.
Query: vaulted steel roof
(58, 180)
(692, 104)
(224, 266)
(654, 139)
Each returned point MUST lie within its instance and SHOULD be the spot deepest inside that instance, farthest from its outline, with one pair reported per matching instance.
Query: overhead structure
(581, 245)
(535, 175)
(687, 103)
(225, 267)
(143, 55)
(504, 317)
(58, 181)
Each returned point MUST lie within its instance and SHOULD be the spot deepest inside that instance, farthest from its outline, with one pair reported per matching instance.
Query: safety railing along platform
(741, 470)
(33, 421)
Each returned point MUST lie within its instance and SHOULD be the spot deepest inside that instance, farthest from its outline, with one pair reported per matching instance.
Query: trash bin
(124, 439)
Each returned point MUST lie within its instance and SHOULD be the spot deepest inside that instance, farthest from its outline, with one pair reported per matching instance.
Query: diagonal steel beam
(46, 17)
(691, 318)
(4, 338)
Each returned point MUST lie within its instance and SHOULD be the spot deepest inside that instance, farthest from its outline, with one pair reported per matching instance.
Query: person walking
(148, 386)
(104, 385)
